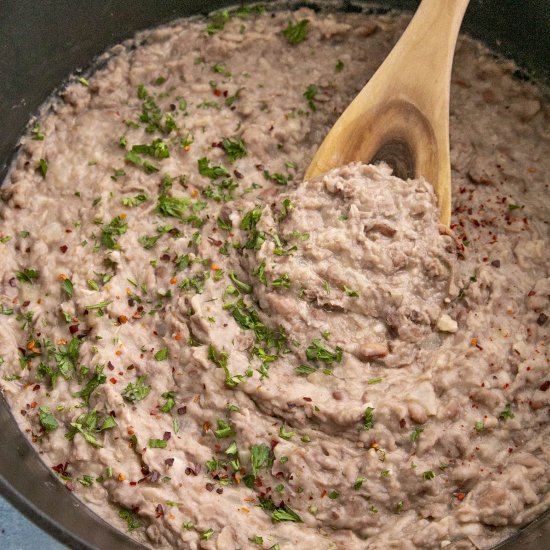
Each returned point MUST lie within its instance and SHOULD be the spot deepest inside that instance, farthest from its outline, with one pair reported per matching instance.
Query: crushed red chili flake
(215, 242)
(159, 510)
(209, 487)
(167, 436)
(541, 319)
(73, 329)
(402, 423)
(169, 462)
(61, 469)
(63, 248)
(545, 385)
(182, 410)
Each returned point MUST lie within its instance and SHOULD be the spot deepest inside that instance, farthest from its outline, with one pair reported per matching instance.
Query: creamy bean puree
(212, 353)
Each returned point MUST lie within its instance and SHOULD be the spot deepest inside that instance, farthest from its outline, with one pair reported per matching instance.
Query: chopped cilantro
(148, 242)
(36, 133)
(212, 172)
(282, 282)
(111, 231)
(234, 148)
(42, 167)
(129, 517)
(157, 444)
(135, 201)
(368, 418)
(223, 429)
(316, 352)
(170, 401)
(97, 379)
(310, 94)
(87, 425)
(205, 535)
(161, 354)
(245, 288)
(283, 434)
(47, 419)
(350, 292)
(67, 287)
(296, 32)
(137, 391)
(415, 434)
(27, 275)
(428, 475)
(506, 412)
(304, 370)
(260, 457)
(285, 514)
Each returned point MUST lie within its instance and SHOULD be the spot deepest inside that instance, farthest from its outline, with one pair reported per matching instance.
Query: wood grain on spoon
(402, 115)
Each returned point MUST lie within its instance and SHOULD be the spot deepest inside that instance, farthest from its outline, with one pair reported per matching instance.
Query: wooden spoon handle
(403, 111)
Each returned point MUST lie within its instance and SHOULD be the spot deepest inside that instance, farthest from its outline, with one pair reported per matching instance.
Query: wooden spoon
(402, 115)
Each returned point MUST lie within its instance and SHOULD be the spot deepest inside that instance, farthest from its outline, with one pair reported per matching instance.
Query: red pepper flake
(460, 496)
(402, 423)
(122, 319)
(324, 493)
(215, 242)
(73, 329)
(63, 248)
(308, 399)
(545, 385)
(159, 510)
(113, 380)
(61, 469)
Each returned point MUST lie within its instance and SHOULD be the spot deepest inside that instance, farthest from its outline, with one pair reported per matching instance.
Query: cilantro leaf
(296, 32)
(316, 352)
(235, 148)
(27, 275)
(259, 457)
(47, 419)
(137, 391)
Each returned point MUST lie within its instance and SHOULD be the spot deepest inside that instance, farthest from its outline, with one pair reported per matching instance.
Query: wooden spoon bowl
(402, 115)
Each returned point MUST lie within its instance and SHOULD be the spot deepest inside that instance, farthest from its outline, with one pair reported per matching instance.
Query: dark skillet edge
(57, 511)
(50, 505)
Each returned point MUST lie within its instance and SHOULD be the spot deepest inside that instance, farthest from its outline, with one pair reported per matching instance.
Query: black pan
(41, 43)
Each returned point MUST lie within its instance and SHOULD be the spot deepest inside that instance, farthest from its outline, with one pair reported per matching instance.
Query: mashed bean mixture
(212, 353)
